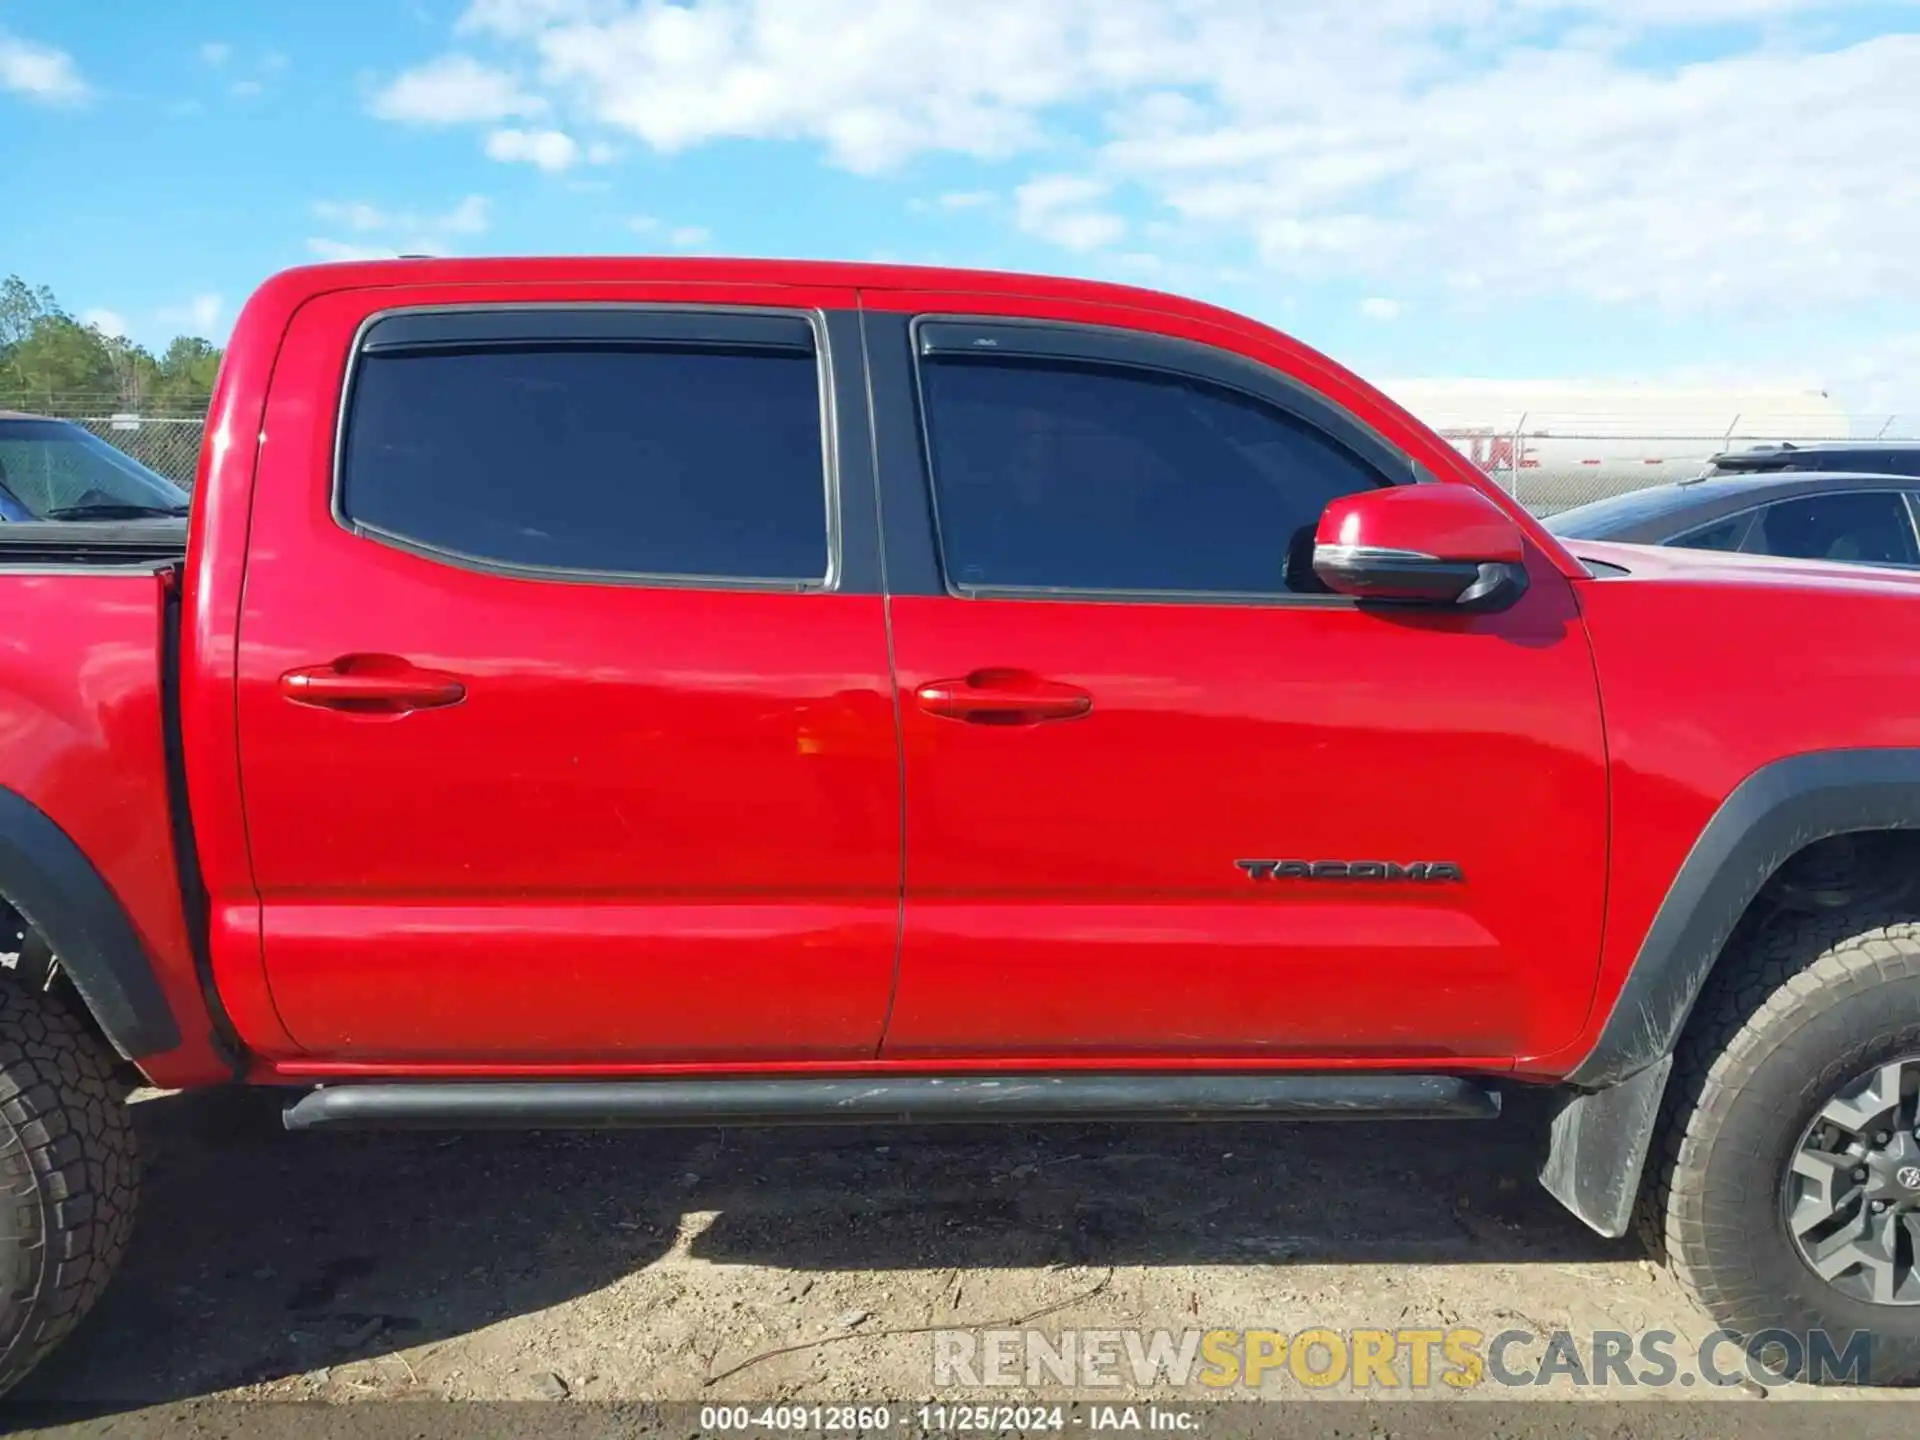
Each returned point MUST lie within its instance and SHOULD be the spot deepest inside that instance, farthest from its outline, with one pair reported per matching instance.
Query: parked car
(67, 496)
(1867, 519)
(606, 692)
(56, 470)
(1878, 457)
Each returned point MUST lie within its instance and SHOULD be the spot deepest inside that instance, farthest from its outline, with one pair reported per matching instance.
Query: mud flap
(1597, 1147)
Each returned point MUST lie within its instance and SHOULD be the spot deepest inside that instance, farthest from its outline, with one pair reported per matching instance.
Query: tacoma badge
(1420, 871)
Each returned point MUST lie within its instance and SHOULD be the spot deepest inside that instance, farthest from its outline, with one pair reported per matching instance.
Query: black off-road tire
(68, 1174)
(1803, 1005)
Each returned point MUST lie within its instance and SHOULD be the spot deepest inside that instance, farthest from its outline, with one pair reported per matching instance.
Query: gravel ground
(672, 1265)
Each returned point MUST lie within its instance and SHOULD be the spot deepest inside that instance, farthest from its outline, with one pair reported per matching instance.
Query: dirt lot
(644, 1265)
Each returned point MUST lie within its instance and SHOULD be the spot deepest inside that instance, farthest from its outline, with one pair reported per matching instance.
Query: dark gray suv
(1876, 457)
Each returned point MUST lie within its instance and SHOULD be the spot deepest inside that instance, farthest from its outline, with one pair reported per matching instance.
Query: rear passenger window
(1089, 477)
(688, 462)
(1860, 525)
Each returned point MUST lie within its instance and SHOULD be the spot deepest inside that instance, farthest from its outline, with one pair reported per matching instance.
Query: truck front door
(1166, 796)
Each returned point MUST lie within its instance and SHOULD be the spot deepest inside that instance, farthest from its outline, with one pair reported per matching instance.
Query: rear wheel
(1786, 1189)
(68, 1174)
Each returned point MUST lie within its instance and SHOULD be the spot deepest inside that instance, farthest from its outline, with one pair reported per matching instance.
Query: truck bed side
(84, 799)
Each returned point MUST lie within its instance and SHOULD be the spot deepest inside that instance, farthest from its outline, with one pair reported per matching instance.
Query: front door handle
(373, 685)
(1003, 697)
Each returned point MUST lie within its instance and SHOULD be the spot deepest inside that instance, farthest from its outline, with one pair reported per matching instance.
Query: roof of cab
(617, 269)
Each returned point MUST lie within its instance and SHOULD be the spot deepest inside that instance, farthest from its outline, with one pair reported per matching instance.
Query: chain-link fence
(169, 444)
(1548, 468)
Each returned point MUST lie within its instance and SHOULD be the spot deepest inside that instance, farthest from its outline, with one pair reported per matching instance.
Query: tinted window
(1844, 525)
(1901, 461)
(1720, 535)
(606, 457)
(1100, 478)
(51, 470)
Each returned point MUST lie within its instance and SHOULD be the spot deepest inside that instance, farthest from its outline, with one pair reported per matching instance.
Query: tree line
(50, 361)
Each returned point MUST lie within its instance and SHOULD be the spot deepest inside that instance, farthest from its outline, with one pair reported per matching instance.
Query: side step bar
(905, 1099)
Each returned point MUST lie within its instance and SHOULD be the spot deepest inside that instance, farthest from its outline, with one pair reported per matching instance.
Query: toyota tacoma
(624, 692)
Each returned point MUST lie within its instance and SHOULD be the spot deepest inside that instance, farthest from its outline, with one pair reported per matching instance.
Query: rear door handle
(1003, 697)
(372, 684)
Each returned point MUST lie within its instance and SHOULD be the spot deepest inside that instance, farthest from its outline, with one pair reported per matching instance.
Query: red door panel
(1071, 884)
(1084, 771)
(498, 818)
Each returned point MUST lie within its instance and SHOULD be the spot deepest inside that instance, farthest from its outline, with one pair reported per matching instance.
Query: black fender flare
(49, 880)
(1606, 1116)
(1771, 815)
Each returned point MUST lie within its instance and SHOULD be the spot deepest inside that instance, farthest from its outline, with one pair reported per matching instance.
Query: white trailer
(1558, 443)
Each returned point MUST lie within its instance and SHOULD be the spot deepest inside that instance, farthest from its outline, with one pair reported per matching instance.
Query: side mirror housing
(1430, 544)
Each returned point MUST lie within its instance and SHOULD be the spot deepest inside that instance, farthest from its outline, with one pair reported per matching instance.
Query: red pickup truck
(604, 692)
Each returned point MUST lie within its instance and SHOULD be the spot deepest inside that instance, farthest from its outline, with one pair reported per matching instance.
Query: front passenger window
(1078, 476)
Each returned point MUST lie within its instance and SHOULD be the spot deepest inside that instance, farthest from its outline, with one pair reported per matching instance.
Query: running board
(899, 1099)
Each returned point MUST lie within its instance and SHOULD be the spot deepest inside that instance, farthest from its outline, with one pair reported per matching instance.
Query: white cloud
(680, 237)
(252, 81)
(354, 214)
(452, 90)
(1378, 307)
(519, 17)
(1880, 376)
(875, 84)
(327, 249)
(1065, 209)
(1481, 147)
(549, 149)
(471, 216)
(386, 233)
(40, 72)
(199, 315)
(1875, 379)
(1728, 182)
(952, 200)
(107, 322)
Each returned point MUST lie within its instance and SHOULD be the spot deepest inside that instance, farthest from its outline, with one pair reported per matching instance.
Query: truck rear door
(565, 710)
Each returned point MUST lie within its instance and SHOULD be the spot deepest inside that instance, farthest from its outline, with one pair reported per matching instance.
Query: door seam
(893, 675)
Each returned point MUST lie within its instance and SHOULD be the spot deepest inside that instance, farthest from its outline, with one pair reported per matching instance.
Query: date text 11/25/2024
(947, 1419)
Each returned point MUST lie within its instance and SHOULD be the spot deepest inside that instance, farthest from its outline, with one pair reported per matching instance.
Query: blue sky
(1721, 191)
